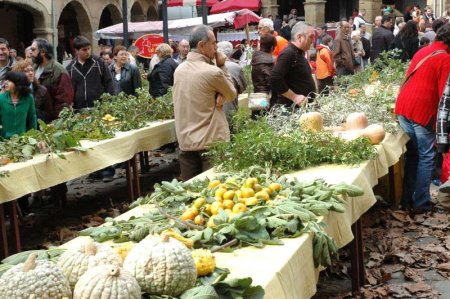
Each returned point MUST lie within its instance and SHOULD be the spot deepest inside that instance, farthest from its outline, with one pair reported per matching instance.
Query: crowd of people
(291, 63)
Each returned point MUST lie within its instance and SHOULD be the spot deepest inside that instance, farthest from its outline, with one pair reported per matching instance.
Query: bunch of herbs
(260, 143)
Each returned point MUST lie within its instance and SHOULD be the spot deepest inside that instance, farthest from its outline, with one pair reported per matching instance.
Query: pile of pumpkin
(158, 265)
(355, 126)
(233, 196)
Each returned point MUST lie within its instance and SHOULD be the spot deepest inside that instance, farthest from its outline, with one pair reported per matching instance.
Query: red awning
(173, 3)
(243, 17)
(229, 5)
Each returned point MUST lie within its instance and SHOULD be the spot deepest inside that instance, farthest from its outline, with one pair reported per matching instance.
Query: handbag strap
(406, 79)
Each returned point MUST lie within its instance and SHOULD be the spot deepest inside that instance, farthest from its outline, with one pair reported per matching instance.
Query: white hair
(299, 28)
(225, 47)
(266, 22)
(356, 33)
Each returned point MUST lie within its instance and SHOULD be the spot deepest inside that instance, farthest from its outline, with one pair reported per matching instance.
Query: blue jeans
(419, 164)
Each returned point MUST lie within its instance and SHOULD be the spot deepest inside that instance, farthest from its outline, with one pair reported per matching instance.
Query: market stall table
(288, 271)
(44, 171)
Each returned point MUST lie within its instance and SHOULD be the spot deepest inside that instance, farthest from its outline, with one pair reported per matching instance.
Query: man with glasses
(382, 38)
(291, 77)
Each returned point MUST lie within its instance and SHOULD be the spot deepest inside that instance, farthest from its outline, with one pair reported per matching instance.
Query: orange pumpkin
(375, 133)
(356, 121)
(311, 121)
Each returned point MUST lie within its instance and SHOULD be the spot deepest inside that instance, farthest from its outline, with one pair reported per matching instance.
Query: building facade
(320, 11)
(61, 20)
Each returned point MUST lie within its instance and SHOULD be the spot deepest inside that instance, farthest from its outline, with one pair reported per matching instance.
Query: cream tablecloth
(287, 271)
(43, 171)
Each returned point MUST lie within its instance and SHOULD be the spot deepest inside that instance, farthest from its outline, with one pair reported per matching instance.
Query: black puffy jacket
(161, 77)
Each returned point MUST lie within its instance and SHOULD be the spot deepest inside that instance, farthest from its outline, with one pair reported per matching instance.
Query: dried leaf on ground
(93, 220)
(394, 233)
(376, 256)
(444, 267)
(405, 257)
(447, 242)
(397, 224)
(398, 291)
(420, 287)
(371, 279)
(401, 216)
(400, 243)
(392, 268)
(433, 248)
(66, 233)
(371, 264)
(444, 274)
(436, 223)
(381, 291)
(413, 275)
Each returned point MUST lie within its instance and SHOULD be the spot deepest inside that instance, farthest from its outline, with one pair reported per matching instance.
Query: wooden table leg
(129, 181)
(136, 179)
(146, 163)
(396, 176)
(14, 220)
(3, 236)
(142, 161)
(357, 257)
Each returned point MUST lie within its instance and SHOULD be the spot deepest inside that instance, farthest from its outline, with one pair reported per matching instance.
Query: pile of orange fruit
(232, 197)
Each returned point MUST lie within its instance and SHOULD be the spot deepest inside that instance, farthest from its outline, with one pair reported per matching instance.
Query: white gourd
(162, 266)
(34, 279)
(107, 282)
(74, 262)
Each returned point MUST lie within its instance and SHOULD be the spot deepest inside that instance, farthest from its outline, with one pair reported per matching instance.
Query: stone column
(269, 7)
(46, 33)
(315, 11)
(372, 8)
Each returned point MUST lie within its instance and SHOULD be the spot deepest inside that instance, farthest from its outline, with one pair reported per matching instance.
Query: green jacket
(16, 119)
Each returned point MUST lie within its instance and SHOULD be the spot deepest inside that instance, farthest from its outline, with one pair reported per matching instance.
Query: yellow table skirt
(43, 171)
(287, 271)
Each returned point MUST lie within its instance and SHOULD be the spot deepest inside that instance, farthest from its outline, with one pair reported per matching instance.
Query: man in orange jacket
(325, 70)
(265, 26)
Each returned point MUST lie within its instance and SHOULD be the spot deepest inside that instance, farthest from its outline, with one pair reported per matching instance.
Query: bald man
(183, 50)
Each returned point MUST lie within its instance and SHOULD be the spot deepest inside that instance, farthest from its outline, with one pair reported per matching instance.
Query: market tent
(229, 5)
(177, 27)
(173, 3)
(244, 17)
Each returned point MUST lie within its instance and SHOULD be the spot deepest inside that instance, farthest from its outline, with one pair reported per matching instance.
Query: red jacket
(419, 98)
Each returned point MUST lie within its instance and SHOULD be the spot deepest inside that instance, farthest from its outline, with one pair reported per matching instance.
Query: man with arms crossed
(199, 92)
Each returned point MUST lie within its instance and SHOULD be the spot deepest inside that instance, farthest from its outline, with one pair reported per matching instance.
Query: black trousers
(323, 83)
(193, 163)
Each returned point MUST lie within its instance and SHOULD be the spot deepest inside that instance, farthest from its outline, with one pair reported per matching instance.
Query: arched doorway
(111, 15)
(285, 7)
(18, 23)
(152, 13)
(136, 13)
(73, 21)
